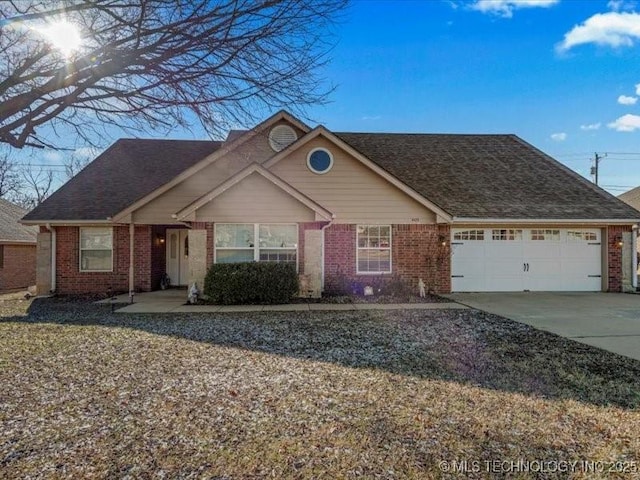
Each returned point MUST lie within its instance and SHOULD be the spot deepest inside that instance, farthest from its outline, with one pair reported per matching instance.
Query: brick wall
(70, 280)
(417, 252)
(339, 256)
(19, 267)
(614, 256)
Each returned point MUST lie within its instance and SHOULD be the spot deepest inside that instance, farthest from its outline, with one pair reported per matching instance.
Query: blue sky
(563, 75)
(440, 66)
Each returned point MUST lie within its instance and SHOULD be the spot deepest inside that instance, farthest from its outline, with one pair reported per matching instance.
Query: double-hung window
(96, 249)
(374, 249)
(256, 242)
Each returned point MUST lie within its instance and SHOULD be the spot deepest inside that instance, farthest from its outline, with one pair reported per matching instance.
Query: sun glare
(63, 35)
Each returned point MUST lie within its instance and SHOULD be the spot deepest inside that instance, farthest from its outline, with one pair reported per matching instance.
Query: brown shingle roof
(121, 175)
(10, 229)
(488, 176)
(475, 176)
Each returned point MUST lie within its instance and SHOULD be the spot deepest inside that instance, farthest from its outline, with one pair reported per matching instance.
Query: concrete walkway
(610, 321)
(173, 301)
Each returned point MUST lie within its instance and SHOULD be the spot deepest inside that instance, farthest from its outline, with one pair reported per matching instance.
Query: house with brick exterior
(460, 212)
(17, 249)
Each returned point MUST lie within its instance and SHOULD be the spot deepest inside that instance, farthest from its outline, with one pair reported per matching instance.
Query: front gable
(254, 199)
(352, 190)
(210, 173)
(356, 189)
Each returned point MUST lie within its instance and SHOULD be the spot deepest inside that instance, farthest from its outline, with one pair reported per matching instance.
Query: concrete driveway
(606, 320)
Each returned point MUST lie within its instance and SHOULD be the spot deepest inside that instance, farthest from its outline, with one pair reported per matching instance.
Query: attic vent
(281, 136)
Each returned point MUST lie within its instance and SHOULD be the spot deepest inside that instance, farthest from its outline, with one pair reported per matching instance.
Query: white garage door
(519, 259)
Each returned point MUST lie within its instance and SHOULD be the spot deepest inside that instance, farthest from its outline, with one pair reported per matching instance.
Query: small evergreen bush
(251, 283)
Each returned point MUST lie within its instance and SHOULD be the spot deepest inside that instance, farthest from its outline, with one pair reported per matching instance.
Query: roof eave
(600, 221)
(63, 222)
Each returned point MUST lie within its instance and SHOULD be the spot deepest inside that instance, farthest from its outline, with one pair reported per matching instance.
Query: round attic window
(319, 160)
(281, 136)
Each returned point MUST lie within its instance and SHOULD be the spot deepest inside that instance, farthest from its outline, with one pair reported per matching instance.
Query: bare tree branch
(145, 64)
(10, 180)
(37, 186)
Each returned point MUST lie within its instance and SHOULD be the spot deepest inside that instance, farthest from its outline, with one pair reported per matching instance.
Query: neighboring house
(17, 249)
(632, 197)
(461, 212)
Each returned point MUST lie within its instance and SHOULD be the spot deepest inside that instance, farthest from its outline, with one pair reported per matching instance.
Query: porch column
(197, 257)
(131, 258)
(312, 284)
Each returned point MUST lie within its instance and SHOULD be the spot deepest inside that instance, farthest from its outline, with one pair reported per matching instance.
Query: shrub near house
(243, 283)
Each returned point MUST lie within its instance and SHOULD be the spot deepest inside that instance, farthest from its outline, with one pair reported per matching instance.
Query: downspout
(322, 263)
(53, 256)
(131, 261)
(634, 257)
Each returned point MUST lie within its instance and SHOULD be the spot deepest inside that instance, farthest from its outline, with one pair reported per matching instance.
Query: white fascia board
(66, 222)
(599, 221)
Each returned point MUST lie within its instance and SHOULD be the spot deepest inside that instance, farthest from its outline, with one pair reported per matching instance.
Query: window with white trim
(469, 235)
(96, 249)
(373, 249)
(508, 234)
(236, 242)
(581, 235)
(545, 235)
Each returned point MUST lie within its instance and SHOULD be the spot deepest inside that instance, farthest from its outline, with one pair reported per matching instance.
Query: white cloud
(626, 123)
(88, 153)
(505, 8)
(637, 88)
(613, 29)
(624, 100)
(591, 126)
(559, 137)
(371, 117)
(618, 5)
(51, 155)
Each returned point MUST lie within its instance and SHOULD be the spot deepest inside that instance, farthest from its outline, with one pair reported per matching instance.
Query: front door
(178, 256)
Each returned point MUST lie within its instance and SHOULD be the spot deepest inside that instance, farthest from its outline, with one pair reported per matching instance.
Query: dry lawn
(90, 394)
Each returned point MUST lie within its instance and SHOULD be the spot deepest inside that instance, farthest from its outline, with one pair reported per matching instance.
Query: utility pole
(596, 163)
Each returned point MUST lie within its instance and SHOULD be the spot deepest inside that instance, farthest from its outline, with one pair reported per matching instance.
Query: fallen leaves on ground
(372, 394)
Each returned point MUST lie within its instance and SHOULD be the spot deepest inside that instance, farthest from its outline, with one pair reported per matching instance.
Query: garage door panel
(538, 259)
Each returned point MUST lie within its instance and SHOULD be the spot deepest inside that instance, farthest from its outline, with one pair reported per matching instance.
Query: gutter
(558, 221)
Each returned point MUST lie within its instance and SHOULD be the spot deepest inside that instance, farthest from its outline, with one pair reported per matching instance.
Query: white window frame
(507, 235)
(80, 249)
(556, 232)
(573, 238)
(256, 241)
(473, 235)
(390, 248)
(320, 172)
